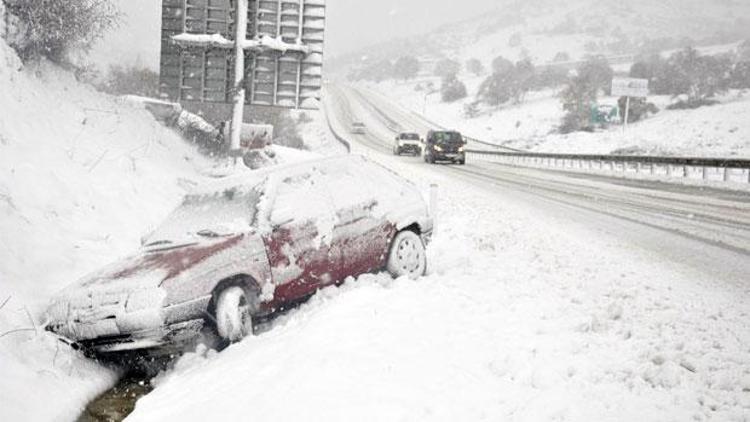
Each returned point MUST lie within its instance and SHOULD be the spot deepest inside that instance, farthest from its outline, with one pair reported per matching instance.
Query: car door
(299, 240)
(361, 234)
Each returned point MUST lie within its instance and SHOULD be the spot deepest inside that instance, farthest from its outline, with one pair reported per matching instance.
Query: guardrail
(707, 169)
(343, 141)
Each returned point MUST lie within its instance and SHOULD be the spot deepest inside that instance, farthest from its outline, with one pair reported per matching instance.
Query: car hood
(149, 268)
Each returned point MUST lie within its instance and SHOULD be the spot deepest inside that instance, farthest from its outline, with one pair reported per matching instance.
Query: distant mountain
(542, 29)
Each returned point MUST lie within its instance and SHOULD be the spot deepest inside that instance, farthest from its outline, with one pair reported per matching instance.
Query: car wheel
(234, 313)
(407, 256)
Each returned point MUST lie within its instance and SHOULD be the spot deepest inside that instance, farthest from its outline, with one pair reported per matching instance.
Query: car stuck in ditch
(245, 247)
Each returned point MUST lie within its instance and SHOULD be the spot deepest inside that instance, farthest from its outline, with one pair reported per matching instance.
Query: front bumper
(449, 156)
(411, 148)
(119, 325)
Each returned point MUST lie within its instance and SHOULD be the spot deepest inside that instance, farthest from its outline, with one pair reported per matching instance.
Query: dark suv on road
(444, 146)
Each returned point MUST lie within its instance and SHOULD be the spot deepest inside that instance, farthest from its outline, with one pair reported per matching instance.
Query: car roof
(251, 178)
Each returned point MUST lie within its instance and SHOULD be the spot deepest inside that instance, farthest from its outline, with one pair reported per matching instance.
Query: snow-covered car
(359, 128)
(442, 145)
(407, 143)
(245, 247)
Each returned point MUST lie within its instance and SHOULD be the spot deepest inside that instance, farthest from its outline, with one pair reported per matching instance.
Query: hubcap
(409, 256)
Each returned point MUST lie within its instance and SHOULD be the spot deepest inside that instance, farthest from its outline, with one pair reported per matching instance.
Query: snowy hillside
(722, 130)
(82, 176)
(540, 29)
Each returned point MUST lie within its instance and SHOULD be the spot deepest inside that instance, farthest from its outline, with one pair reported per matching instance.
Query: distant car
(407, 143)
(359, 128)
(443, 145)
(243, 248)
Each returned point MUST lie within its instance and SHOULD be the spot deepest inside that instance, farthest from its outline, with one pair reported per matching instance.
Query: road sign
(629, 87)
(283, 51)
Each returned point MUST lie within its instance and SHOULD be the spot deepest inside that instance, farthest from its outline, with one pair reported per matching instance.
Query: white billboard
(629, 87)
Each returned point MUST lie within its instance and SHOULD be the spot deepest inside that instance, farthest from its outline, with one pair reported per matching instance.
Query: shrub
(597, 73)
(551, 77)
(581, 92)
(698, 77)
(406, 67)
(471, 110)
(743, 51)
(446, 68)
(53, 28)
(508, 81)
(640, 108)
(122, 80)
(452, 89)
(475, 66)
(740, 77)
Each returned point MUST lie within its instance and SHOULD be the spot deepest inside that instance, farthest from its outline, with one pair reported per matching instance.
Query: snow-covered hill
(540, 29)
(82, 176)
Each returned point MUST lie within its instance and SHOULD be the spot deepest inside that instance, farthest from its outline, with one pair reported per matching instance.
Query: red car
(245, 247)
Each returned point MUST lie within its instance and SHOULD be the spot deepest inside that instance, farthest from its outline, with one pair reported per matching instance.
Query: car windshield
(358, 124)
(208, 216)
(447, 137)
(410, 136)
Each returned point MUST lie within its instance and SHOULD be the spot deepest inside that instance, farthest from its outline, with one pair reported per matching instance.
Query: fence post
(705, 173)
(726, 174)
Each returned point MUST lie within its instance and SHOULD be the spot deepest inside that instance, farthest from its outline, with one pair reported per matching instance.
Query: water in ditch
(118, 402)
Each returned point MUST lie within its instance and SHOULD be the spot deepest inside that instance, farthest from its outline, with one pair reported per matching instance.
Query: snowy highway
(702, 228)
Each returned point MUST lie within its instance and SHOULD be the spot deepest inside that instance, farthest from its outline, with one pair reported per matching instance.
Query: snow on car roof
(251, 178)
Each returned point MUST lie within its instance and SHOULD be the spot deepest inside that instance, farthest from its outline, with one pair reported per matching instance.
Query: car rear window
(410, 136)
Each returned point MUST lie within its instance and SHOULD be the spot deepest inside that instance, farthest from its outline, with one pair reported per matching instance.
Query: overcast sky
(351, 23)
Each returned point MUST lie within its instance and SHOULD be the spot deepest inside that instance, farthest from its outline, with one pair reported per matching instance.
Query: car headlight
(460, 149)
(438, 148)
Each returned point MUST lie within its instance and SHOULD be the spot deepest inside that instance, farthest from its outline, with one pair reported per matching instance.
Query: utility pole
(627, 114)
(239, 75)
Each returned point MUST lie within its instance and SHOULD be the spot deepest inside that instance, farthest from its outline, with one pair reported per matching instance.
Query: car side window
(301, 198)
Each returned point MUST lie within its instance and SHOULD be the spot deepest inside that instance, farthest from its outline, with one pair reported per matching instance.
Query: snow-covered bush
(640, 108)
(406, 67)
(53, 28)
(475, 67)
(697, 76)
(447, 68)
(452, 89)
(581, 93)
(508, 82)
(690, 74)
(131, 80)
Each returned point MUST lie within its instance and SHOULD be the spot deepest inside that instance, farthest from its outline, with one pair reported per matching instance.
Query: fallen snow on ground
(522, 317)
(315, 132)
(722, 130)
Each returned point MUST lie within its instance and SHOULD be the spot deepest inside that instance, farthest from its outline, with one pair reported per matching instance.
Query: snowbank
(82, 176)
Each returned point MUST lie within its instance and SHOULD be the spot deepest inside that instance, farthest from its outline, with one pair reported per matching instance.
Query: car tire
(235, 306)
(407, 256)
